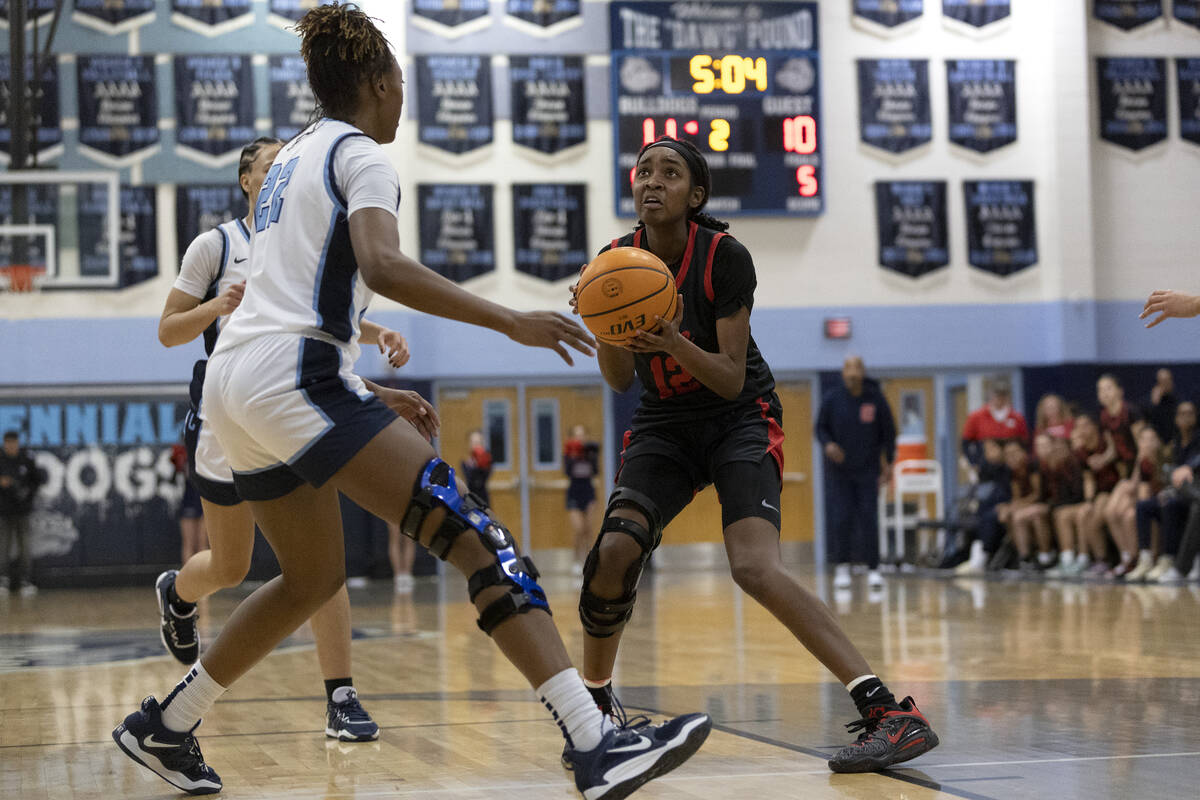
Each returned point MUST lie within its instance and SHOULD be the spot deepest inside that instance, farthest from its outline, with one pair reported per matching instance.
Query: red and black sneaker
(888, 737)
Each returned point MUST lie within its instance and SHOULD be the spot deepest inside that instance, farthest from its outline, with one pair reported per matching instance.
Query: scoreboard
(740, 80)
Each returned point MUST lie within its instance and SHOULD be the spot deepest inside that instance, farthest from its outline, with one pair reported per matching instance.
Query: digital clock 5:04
(731, 74)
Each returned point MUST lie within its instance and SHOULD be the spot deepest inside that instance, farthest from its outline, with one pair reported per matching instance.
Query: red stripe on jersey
(637, 237)
(774, 436)
(687, 255)
(615, 243)
(621, 458)
(712, 252)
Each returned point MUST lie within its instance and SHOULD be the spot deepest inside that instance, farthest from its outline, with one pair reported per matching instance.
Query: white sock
(1067, 557)
(574, 710)
(190, 700)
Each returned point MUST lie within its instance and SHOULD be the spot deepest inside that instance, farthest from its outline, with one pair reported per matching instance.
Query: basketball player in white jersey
(298, 426)
(209, 287)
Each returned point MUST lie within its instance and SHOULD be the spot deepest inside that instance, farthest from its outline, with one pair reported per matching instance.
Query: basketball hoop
(22, 277)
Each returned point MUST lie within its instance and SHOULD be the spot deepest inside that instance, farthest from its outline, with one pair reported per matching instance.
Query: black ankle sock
(871, 693)
(334, 684)
(178, 604)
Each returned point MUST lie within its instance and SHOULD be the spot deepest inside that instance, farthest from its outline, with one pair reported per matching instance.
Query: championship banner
(451, 17)
(1187, 71)
(544, 13)
(118, 108)
(211, 17)
(113, 16)
(1187, 12)
(200, 207)
(550, 229)
(976, 13)
(47, 126)
(548, 108)
(457, 238)
(454, 102)
(214, 107)
(983, 103)
(40, 10)
(911, 216)
(292, 101)
(286, 13)
(1001, 231)
(1133, 101)
(1127, 14)
(41, 206)
(888, 13)
(893, 103)
(138, 248)
(111, 492)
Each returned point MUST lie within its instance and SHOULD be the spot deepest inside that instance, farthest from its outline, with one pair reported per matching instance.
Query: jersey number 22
(270, 196)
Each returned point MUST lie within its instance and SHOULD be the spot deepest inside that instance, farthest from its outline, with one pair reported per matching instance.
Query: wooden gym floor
(1036, 689)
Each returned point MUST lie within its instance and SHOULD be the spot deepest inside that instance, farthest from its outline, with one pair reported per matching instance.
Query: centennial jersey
(303, 275)
(715, 277)
(214, 261)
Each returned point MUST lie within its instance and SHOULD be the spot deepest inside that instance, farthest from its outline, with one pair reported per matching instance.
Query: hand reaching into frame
(394, 347)
(1169, 303)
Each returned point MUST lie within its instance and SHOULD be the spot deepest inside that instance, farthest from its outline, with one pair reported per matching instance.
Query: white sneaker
(1170, 576)
(841, 577)
(874, 579)
(1194, 575)
(403, 584)
(976, 564)
(1160, 568)
(1144, 565)
(27, 590)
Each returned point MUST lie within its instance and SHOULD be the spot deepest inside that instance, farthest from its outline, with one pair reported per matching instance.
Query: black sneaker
(178, 633)
(348, 721)
(888, 737)
(627, 758)
(175, 757)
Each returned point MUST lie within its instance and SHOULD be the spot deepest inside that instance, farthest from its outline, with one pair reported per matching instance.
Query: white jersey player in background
(298, 426)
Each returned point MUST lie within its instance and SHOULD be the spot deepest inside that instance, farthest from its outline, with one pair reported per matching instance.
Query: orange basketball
(622, 290)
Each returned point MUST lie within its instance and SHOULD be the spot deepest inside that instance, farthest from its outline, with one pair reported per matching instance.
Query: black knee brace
(436, 487)
(602, 617)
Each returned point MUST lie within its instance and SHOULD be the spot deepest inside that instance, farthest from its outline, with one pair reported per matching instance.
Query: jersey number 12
(270, 196)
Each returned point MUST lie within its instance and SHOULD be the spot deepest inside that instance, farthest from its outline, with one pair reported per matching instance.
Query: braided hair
(700, 176)
(249, 153)
(342, 49)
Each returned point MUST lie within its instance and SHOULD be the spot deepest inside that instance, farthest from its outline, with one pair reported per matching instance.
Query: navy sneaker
(888, 737)
(178, 633)
(606, 700)
(348, 721)
(175, 757)
(627, 758)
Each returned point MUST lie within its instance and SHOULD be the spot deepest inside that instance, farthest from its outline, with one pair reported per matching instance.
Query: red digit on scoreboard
(806, 180)
(800, 135)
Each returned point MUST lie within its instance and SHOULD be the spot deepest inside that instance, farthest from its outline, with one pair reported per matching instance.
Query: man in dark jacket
(20, 478)
(858, 434)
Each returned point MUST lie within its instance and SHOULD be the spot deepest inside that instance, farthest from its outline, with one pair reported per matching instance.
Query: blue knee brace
(436, 487)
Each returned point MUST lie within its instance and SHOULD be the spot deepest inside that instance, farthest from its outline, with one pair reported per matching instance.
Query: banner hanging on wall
(456, 228)
(454, 102)
(138, 248)
(113, 18)
(911, 218)
(1127, 14)
(292, 100)
(888, 13)
(976, 13)
(47, 125)
(550, 229)
(893, 103)
(454, 17)
(286, 13)
(118, 108)
(1187, 12)
(1133, 101)
(112, 490)
(40, 10)
(211, 17)
(543, 13)
(548, 104)
(214, 107)
(1001, 229)
(201, 207)
(1187, 72)
(983, 103)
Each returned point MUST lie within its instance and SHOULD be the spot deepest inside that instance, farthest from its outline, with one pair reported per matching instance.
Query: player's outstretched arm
(394, 275)
(1169, 303)
(185, 317)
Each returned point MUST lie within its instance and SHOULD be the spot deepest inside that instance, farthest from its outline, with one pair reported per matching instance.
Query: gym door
(491, 410)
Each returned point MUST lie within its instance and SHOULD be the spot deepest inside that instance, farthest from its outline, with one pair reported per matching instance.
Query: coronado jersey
(715, 277)
(303, 276)
(214, 261)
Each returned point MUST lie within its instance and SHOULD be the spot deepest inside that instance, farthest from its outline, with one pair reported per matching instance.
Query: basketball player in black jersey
(709, 414)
